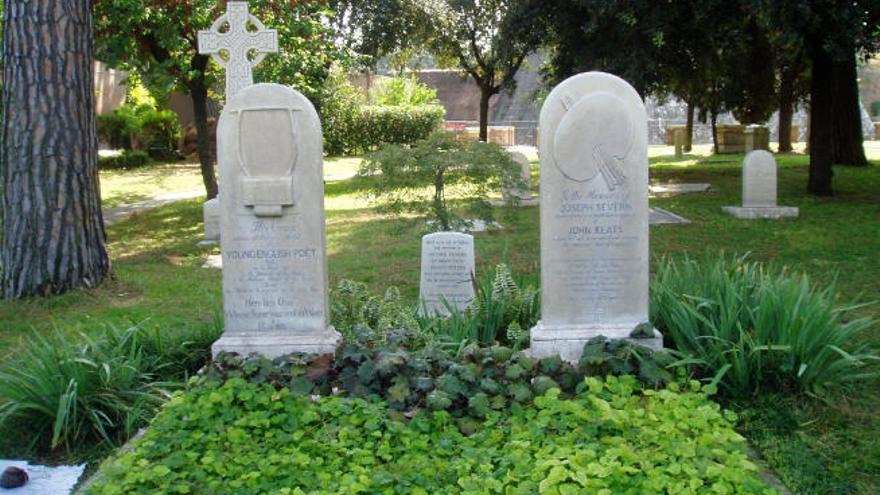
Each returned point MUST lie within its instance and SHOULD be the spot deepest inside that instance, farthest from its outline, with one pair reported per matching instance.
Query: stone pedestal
(594, 215)
(211, 213)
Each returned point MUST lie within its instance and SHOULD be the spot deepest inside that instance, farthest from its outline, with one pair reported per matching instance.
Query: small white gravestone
(519, 192)
(678, 142)
(273, 242)
(231, 49)
(447, 276)
(759, 190)
(594, 216)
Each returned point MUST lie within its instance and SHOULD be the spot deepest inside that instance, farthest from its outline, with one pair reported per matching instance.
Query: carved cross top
(237, 42)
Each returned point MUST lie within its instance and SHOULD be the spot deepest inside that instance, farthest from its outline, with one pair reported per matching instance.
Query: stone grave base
(522, 202)
(278, 344)
(658, 216)
(568, 340)
(685, 188)
(756, 212)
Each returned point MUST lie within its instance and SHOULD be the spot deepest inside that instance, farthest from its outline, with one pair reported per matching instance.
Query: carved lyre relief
(267, 152)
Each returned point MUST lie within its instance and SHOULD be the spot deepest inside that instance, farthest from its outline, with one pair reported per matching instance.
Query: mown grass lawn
(158, 280)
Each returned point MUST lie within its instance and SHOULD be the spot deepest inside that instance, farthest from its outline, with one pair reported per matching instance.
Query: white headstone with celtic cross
(231, 44)
(232, 48)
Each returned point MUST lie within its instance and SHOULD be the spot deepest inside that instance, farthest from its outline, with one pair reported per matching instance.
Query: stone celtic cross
(237, 42)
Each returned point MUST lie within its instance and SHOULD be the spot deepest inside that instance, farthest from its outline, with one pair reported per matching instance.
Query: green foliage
(875, 108)
(140, 128)
(410, 374)
(66, 392)
(164, 52)
(402, 91)
(351, 127)
(758, 330)
(339, 107)
(354, 309)
(415, 178)
(501, 312)
(244, 438)
(125, 161)
(115, 129)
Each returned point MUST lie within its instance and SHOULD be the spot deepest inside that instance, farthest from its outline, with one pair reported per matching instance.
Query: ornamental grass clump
(758, 329)
(69, 393)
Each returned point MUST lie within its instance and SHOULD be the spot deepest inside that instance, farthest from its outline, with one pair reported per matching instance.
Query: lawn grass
(814, 447)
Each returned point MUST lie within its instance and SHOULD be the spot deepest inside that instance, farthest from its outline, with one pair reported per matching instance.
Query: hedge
(371, 125)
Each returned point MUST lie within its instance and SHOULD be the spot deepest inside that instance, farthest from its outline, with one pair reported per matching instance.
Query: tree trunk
(485, 94)
(689, 128)
(714, 118)
(53, 237)
(821, 121)
(847, 141)
(786, 108)
(199, 94)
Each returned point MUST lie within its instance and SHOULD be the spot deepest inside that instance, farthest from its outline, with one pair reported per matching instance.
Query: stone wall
(869, 84)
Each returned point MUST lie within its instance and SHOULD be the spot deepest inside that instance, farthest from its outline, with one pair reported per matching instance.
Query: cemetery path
(121, 212)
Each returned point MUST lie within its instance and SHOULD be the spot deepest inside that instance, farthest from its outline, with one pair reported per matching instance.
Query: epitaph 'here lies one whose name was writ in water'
(273, 243)
(447, 273)
(594, 216)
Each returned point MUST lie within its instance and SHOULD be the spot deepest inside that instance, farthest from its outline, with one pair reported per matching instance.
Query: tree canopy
(159, 40)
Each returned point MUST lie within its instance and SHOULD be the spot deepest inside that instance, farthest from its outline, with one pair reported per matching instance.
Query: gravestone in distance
(759, 190)
(678, 141)
(273, 245)
(447, 273)
(594, 216)
(520, 193)
(237, 43)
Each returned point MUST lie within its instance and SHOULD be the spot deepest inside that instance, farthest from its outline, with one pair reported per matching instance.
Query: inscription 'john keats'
(447, 273)
(594, 215)
(275, 297)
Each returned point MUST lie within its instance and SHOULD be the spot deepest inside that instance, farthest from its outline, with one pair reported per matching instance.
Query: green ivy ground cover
(612, 438)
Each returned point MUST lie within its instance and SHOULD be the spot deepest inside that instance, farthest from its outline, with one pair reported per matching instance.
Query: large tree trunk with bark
(689, 128)
(847, 142)
(786, 108)
(53, 236)
(821, 121)
(199, 93)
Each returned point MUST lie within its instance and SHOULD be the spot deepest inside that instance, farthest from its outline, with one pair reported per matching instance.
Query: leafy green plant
(502, 312)
(66, 392)
(416, 179)
(613, 437)
(140, 128)
(402, 91)
(757, 329)
(351, 126)
(469, 381)
(126, 160)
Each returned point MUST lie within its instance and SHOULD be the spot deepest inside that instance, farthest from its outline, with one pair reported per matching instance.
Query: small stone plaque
(447, 276)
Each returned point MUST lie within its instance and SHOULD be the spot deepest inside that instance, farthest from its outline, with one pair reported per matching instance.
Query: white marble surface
(44, 480)
(273, 240)
(594, 214)
(447, 273)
